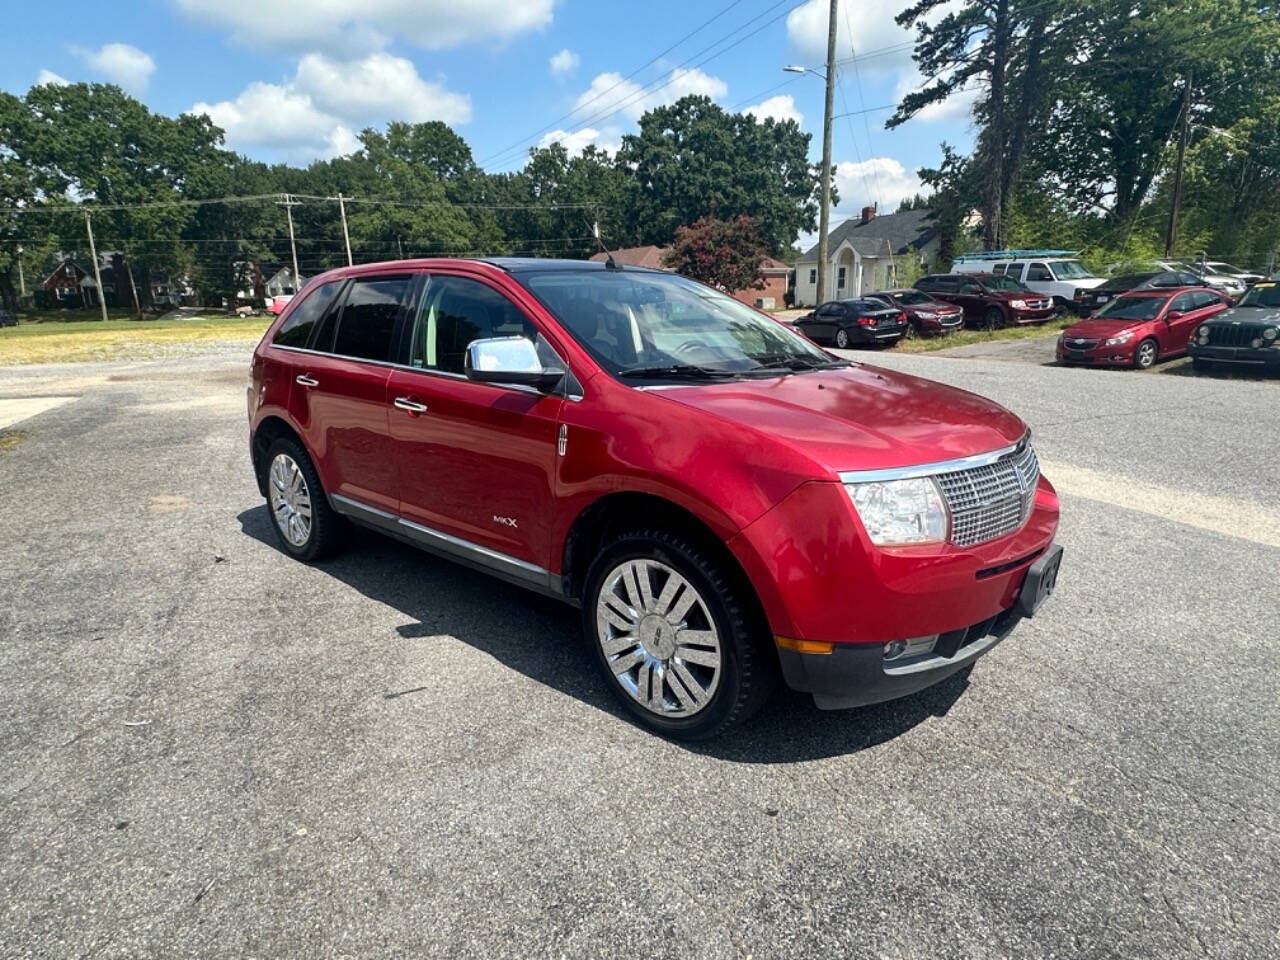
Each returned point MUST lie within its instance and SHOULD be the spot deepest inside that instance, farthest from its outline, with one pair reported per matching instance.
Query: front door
(339, 398)
(476, 461)
(971, 299)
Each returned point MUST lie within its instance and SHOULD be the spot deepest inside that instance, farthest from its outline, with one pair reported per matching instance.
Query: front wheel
(672, 632)
(993, 319)
(1146, 354)
(842, 338)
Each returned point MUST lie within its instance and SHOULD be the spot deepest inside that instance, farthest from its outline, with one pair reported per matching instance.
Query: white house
(868, 254)
(277, 281)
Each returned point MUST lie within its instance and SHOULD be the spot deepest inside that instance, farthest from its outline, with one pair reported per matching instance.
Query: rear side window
(971, 287)
(297, 330)
(1038, 271)
(454, 312)
(369, 318)
(1204, 299)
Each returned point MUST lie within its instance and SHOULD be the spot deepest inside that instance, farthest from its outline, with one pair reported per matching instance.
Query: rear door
(971, 298)
(340, 392)
(476, 462)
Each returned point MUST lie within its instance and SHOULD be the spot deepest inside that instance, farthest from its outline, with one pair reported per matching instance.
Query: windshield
(637, 323)
(1263, 295)
(1132, 308)
(912, 297)
(1117, 284)
(1005, 283)
(1071, 270)
(1217, 266)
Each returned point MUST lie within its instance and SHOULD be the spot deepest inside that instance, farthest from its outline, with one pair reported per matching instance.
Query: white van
(1054, 273)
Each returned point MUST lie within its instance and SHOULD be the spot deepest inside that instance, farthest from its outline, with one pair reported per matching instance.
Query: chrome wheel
(842, 339)
(290, 500)
(1146, 356)
(658, 638)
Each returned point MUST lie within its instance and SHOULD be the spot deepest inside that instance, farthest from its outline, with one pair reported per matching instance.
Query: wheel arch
(268, 430)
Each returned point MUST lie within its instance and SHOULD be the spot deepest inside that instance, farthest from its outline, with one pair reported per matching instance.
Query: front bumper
(855, 676)
(1259, 358)
(1100, 356)
(1031, 316)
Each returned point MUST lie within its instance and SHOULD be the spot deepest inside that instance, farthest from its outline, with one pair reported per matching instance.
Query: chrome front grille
(993, 499)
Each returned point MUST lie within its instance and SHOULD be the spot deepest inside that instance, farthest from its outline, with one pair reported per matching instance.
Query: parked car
(1139, 327)
(1227, 270)
(1233, 287)
(925, 315)
(988, 301)
(7, 319)
(1059, 274)
(848, 323)
(276, 305)
(1150, 280)
(724, 500)
(1247, 335)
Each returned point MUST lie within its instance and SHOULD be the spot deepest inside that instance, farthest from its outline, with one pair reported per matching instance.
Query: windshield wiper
(798, 362)
(690, 370)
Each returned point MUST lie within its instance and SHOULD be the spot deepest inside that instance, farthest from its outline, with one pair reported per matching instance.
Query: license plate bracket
(1040, 582)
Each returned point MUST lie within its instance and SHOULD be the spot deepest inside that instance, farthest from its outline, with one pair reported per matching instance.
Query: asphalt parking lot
(209, 749)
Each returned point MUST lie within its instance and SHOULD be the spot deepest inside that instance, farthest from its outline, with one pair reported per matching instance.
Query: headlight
(1202, 332)
(1018, 304)
(1269, 333)
(1119, 338)
(901, 511)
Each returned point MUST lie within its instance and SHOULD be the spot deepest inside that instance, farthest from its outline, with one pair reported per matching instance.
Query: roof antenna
(610, 263)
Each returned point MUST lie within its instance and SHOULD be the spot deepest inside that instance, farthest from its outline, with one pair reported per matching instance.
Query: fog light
(1255, 343)
(912, 647)
(1204, 339)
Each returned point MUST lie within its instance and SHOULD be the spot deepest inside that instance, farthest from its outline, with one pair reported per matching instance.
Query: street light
(824, 218)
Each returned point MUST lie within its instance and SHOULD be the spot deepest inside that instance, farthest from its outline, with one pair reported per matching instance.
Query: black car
(1247, 335)
(1101, 295)
(845, 323)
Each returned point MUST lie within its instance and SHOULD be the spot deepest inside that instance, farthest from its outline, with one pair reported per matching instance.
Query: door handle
(410, 405)
(306, 380)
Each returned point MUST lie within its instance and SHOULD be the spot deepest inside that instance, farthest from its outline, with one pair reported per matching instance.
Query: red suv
(724, 500)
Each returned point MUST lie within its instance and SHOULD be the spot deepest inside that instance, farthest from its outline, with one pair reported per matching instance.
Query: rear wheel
(1146, 354)
(305, 525)
(993, 318)
(842, 338)
(673, 635)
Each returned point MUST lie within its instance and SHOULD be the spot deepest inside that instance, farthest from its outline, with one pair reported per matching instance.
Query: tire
(735, 668)
(842, 338)
(992, 318)
(293, 490)
(1146, 354)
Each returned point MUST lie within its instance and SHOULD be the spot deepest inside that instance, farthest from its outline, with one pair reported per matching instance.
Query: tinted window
(456, 311)
(971, 288)
(1119, 284)
(1133, 308)
(369, 318)
(829, 310)
(1007, 284)
(1204, 299)
(1184, 303)
(302, 321)
(1015, 270)
(912, 297)
(1038, 271)
(1000, 268)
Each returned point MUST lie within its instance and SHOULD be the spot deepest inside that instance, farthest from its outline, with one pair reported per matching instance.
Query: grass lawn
(73, 341)
(1050, 328)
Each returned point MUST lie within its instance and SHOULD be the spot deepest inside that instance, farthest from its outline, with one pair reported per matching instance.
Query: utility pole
(342, 209)
(22, 281)
(97, 275)
(1171, 237)
(824, 218)
(289, 203)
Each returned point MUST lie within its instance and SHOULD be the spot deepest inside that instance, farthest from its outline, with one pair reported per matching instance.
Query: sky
(296, 80)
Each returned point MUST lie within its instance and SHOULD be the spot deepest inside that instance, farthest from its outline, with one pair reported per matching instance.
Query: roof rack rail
(1014, 254)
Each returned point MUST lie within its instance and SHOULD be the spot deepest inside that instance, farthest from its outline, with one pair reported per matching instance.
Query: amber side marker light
(803, 646)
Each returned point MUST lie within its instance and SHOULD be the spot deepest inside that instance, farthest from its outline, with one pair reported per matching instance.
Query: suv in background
(988, 301)
(1062, 276)
(1248, 335)
(1227, 270)
(725, 501)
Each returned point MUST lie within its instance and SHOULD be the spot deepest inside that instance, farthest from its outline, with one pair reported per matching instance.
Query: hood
(1266, 316)
(860, 418)
(1101, 327)
(1086, 283)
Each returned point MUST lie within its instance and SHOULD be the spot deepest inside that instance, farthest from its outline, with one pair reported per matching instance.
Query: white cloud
(566, 61)
(958, 106)
(120, 63)
(876, 179)
(48, 76)
(610, 94)
(315, 114)
(865, 28)
(379, 86)
(782, 107)
(342, 25)
(610, 138)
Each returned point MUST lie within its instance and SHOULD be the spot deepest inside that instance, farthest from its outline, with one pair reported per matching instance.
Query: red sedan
(1140, 327)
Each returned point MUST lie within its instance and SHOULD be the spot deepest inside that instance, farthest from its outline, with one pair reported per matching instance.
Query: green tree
(693, 159)
(723, 253)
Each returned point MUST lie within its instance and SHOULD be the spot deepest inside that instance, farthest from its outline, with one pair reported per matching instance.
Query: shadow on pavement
(542, 638)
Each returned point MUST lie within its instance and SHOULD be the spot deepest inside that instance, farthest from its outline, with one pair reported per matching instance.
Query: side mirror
(510, 360)
(1174, 315)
